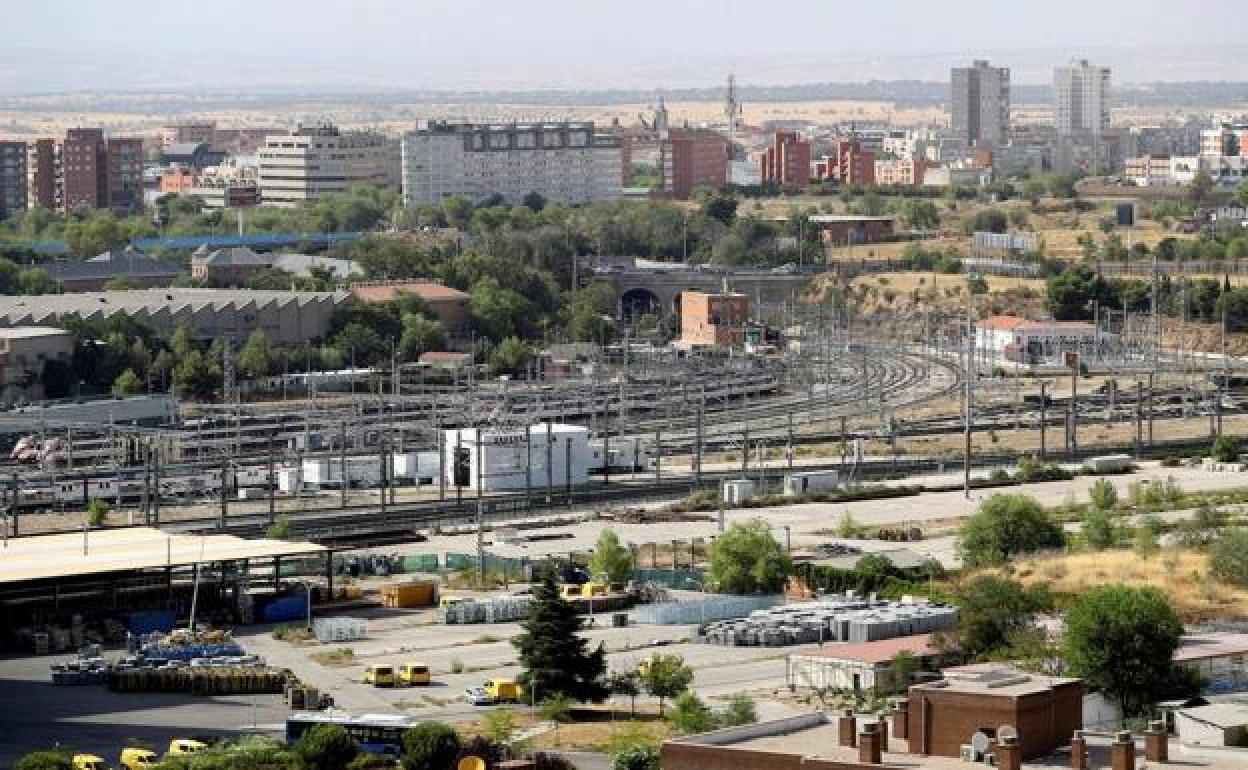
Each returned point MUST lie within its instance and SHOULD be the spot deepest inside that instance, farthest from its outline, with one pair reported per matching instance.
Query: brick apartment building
(713, 319)
(691, 159)
(853, 164)
(787, 161)
(85, 170)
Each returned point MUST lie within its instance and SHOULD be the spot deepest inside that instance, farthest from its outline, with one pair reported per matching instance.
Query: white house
(554, 455)
(1026, 341)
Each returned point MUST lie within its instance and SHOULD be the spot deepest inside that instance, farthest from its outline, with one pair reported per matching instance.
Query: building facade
(787, 161)
(713, 319)
(24, 352)
(568, 162)
(85, 170)
(691, 159)
(43, 174)
(12, 177)
(1081, 99)
(311, 162)
(980, 103)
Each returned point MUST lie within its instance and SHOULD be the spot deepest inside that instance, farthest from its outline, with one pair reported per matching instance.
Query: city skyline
(479, 45)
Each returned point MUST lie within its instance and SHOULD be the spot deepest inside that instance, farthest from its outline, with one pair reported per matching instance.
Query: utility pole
(225, 501)
(272, 485)
(342, 459)
(970, 396)
(1044, 416)
(156, 481)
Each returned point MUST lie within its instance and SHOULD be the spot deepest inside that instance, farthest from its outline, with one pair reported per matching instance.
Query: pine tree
(555, 657)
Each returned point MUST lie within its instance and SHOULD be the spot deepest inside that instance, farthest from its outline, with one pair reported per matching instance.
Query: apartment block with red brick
(787, 161)
(693, 159)
(713, 319)
(84, 169)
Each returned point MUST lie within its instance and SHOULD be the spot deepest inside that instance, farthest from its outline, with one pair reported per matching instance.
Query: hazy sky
(102, 44)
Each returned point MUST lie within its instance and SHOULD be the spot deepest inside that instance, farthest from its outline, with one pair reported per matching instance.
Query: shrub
(1103, 495)
(430, 745)
(1228, 557)
(97, 512)
(457, 666)
(326, 747)
(1006, 525)
(1225, 449)
(1098, 529)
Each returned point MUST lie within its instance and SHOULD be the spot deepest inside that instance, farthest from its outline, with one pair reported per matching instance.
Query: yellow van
(504, 690)
(412, 674)
(89, 762)
(379, 676)
(184, 747)
(138, 759)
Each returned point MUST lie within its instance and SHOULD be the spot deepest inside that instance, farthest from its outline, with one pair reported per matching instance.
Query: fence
(687, 579)
(704, 610)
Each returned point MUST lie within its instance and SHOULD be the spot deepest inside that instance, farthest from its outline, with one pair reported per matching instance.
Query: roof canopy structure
(43, 557)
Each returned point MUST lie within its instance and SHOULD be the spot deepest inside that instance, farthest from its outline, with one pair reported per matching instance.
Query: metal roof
(41, 557)
(45, 308)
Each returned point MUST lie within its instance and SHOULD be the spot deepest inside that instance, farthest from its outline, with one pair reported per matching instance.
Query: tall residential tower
(1081, 99)
(981, 104)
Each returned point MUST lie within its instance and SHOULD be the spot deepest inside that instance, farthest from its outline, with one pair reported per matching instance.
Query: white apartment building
(311, 162)
(1081, 99)
(565, 162)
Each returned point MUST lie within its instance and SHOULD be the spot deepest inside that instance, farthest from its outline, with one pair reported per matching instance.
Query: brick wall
(941, 721)
(675, 755)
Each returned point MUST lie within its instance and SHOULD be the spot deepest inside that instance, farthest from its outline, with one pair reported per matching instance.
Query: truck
(810, 482)
(495, 691)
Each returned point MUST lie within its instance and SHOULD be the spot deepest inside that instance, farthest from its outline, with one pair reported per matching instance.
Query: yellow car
(184, 747)
(411, 674)
(379, 676)
(89, 762)
(138, 759)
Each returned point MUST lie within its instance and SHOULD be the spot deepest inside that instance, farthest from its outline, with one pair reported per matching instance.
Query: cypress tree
(556, 658)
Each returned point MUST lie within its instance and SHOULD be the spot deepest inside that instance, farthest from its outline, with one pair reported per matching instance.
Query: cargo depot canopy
(43, 557)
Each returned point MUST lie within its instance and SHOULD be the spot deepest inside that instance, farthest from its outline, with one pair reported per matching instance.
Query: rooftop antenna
(732, 112)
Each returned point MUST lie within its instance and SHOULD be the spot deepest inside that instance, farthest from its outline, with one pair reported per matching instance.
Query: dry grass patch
(1181, 573)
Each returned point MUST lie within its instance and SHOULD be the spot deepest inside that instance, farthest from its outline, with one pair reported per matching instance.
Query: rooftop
(995, 680)
(880, 651)
(1010, 322)
(1219, 714)
(112, 550)
(387, 291)
(1194, 647)
(49, 306)
(31, 332)
(237, 256)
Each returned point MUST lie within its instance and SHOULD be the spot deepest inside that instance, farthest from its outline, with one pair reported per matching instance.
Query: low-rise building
(227, 267)
(448, 304)
(862, 666)
(1216, 725)
(852, 229)
(136, 269)
(1220, 658)
(713, 319)
(286, 317)
(25, 351)
(1027, 341)
(539, 456)
(943, 716)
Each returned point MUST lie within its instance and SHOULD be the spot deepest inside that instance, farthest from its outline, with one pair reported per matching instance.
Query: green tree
(690, 715)
(97, 511)
(747, 560)
(611, 558)
(255, 360)
(1071, 293)
(127, 383)
(196, 375)
(1103, 495)
(1098, 529)
(920, 214)
(628, 684)
(903, 666)
(326, 747)
(510, 357)
(721, 207)
(44, 760)
(1201, 187)
(665, 676)
(555, 657)
(499, 312)
(1121, 640)
(36, 280)
(991, 609)
(1005, 526)
(1228, 557)
(420, 335)
(430, 746)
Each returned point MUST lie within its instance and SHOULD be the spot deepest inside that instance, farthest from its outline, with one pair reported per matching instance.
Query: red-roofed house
(859, 665)
(1027, 341)
(449, 305)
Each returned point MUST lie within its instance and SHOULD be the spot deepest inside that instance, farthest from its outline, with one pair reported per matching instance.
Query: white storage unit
(811, 482)
(737, 491)
(628, 455)
(415, 467)
(364, 471)
(289, 480)
(505, 461)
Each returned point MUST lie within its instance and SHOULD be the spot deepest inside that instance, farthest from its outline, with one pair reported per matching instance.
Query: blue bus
(376, 733)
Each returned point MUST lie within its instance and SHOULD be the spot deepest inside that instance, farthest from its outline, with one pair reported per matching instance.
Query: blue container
(147, 622)
(285, 609)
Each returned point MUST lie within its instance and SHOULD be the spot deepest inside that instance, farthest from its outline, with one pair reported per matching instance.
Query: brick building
(713, 319)
(24, 352)
(85, 170)
(787, 161)
(943, 716)
(692, 159)
(448, 304)
(846, 229)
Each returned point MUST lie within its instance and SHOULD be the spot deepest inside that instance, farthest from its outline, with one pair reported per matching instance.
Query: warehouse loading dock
(130, 578)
